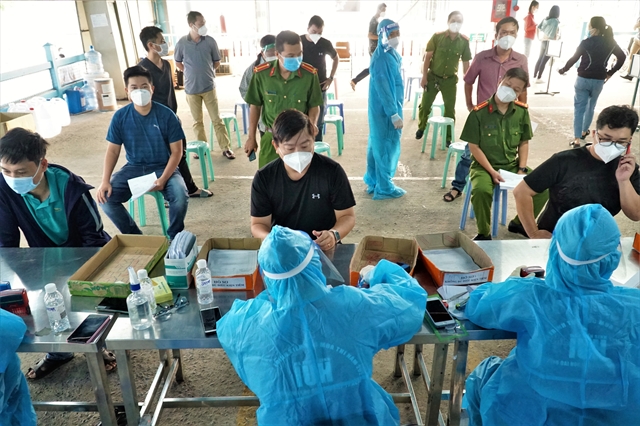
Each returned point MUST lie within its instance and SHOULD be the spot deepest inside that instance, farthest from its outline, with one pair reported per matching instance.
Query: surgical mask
(394, 42)
(202, 31)
(506, 42)
(140, 97)
(315, 37)
(608, 153)
(164, 49)
(23, 185)
(454, 27)
(298, 160)
(292, 64)
(506, 94)
(382, 14)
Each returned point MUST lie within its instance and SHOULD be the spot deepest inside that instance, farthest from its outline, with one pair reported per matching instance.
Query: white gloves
(397, 121)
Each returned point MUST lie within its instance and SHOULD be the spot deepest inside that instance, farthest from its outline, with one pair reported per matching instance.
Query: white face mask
(608, 153)
(140, 97)
(454, 27)
(394, 42)
(298, 160)
(202, 31)
(382, 14)
(506, 94)
(164, 49)
(506, 42)
(315, 37)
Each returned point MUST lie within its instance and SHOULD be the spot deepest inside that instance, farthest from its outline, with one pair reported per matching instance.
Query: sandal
(45, 367)
(585, 134)
(229, 154)
(109, 358)
(575, 144)
(449, 197)
(203, 193)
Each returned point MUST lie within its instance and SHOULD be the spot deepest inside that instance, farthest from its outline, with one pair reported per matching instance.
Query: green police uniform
(274, 94)
(442, 75)
(499, 137)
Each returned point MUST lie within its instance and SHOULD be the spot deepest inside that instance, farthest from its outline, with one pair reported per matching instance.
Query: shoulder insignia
(262, 67)
(522, 104)
(305, 66)
(464, 37)
(480, 106)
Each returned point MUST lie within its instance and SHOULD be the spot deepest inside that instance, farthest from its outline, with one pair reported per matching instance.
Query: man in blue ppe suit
(577, 359)
(305, 349)
(386, 92)
(15, 402)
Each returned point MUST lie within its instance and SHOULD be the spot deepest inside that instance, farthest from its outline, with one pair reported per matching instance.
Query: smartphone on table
(210, 318)
(438, 314)
(89, 329)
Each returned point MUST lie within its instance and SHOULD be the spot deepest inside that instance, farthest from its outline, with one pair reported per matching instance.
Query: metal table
(32, 268)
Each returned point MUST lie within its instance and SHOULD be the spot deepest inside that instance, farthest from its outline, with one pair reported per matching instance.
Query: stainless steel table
(32, 268)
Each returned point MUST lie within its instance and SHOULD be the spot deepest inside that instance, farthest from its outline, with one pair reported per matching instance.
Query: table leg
(100, 384)
(416, 364)
(397, 372)
(437, 380)
(458, 375)
(179, 376)
(128, 386)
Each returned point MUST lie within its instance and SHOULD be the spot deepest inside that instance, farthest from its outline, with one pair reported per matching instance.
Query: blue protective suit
(15, 402)
(386, 94)
(577, 357)
(306, 350)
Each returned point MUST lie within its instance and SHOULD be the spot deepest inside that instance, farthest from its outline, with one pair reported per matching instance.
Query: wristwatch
(522, 169)
(336, 234)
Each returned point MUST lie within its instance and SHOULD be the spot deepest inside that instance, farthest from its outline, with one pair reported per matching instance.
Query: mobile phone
(538, 271)
(438, 314)
(252, 156)
(113, 304)
(89, 329)
(210, 318)
(628, 150)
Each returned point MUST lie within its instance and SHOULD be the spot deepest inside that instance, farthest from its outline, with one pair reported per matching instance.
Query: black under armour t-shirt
(315, 54)
(308, 204)
(574, 178)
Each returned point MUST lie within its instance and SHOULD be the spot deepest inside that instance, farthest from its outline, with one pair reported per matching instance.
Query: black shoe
(627, 77)
(419, 134)
(481, 237)
(517, 228)
(448, 144)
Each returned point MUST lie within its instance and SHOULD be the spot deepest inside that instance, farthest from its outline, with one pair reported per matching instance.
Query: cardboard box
(178, 271)
(636, 243)
(371, 249)
(237, 282)
(454, 240)
(105, 274)
(11, 120)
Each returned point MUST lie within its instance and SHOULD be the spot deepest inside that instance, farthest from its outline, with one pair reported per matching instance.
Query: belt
(443, 77)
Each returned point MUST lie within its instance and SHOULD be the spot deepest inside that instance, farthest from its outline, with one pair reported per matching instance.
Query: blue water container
(74, 100)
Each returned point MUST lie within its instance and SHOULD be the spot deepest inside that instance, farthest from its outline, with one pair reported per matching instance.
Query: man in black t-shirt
(373, 41)
(604, 173)
(301, 190)
(315, 48)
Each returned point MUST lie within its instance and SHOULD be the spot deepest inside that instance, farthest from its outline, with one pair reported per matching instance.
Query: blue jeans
(323, 111)
(462, 170)
(175, 192)
(59, 356)
(584, 103)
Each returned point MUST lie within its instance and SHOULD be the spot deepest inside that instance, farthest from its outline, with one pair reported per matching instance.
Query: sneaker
(627, 77)
(419, 134)
(481, 237)
(517, 228)
(229, 154)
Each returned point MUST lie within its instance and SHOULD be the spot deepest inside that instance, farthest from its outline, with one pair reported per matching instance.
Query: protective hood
(584, 250)
(386, 27)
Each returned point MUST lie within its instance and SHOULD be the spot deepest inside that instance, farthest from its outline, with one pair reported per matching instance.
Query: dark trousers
(542, 60)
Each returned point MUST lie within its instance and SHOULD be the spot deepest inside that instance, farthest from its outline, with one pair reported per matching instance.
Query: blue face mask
(292, 64)
(23, 185)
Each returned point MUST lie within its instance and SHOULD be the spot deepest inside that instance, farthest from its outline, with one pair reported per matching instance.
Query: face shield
(385, 28)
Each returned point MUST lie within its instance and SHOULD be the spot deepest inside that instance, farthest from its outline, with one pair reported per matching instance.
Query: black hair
(618, 117)
(455, 12)
(554, 12)
(317, 21)
(533, 4)
(149, 34)
(19, 144)
(288, 37)
(264, 42)
(192, 17)
(604, 30)
(289, 123)
(137, 71)
(507, 20)
(518, 73)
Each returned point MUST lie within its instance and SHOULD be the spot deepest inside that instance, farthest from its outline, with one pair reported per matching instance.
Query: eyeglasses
(618, 144)
(164, 313)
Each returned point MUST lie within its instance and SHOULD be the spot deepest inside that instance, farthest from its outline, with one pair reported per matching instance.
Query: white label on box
(228, 282)
(106, 88)
(175, 272)
(108, 99)
(464, 279)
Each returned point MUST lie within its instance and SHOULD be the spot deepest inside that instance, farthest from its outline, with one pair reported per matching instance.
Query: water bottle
(94, 61)
(138, 304)
(146, 287)
(90, 97)
(203, 283)
(56, 311)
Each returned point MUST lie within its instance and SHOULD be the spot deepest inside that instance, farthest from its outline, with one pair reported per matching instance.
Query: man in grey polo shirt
(196, 54)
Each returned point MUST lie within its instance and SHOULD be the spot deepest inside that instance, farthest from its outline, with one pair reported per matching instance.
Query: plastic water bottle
(90, 97)
(138, 304)
(56, 311)
(60, 111)
(94, 61)
(203, 283)
(146, 287)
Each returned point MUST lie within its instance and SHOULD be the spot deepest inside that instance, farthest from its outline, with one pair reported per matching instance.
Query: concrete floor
(81, 148)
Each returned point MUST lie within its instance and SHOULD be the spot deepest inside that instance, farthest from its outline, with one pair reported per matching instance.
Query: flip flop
(45, 367)
(449, 197)
(575, 144)
(204, 193)
(585, 134)
(109, 358)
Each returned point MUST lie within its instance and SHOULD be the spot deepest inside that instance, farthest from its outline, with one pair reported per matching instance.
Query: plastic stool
(200, 148)
(337, 121)
(331, 108)
(321, 147)
(456, 149)
(495, 207)
(409, 85)
(416, 101)
(227, 118)
(164, 223)
(440, 125)
(245, 114)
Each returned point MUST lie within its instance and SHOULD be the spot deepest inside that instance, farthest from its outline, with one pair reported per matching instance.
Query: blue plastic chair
(495, 208)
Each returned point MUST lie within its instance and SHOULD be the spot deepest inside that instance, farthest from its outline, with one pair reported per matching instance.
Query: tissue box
(238, 282)
(178, 271)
